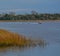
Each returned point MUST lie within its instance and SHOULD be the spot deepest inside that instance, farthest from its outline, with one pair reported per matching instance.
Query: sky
(25, 6)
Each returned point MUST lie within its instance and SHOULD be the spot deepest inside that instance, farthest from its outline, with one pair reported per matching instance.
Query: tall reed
(8, 38)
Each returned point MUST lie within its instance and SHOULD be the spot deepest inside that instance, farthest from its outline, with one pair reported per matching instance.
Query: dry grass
(13, 39)
(9, 38)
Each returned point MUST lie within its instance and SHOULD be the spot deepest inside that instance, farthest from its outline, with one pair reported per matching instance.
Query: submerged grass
(8, 38)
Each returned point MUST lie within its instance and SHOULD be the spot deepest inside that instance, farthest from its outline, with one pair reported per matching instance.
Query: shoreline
(30, 21)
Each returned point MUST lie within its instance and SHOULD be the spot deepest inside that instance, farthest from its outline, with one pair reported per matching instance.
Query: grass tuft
(8, 38)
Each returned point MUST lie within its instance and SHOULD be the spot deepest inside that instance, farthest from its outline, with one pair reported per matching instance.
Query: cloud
(16, 10)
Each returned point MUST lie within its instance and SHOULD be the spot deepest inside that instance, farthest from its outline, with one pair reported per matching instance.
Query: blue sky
(41, 6)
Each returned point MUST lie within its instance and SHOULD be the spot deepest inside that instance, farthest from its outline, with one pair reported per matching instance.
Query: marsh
(49, 31)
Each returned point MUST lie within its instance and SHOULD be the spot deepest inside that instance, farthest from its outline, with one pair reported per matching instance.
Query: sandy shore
(29, 20)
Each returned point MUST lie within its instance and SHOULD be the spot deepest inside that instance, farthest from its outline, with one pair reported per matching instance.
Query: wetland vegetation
(8, 38)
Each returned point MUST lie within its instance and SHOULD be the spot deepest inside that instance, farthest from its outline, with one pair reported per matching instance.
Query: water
(49, 31)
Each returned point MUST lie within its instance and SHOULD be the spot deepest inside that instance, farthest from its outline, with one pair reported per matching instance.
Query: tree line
(33, 16)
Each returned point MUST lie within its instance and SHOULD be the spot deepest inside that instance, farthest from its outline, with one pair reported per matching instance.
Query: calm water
(49, 31)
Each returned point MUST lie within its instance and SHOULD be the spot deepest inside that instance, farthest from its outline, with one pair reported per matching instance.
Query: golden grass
(8, 38)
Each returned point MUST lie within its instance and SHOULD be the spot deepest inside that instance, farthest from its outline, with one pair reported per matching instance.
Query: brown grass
(9, 38)
(13, 39)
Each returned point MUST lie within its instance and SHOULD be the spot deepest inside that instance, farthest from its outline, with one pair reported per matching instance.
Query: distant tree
(12, 13)
(34, 12)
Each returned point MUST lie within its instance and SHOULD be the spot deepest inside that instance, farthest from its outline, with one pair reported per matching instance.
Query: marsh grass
(8, 38)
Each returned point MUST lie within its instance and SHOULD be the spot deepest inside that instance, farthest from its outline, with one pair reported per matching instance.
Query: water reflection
(8, 48)
(16, 51)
